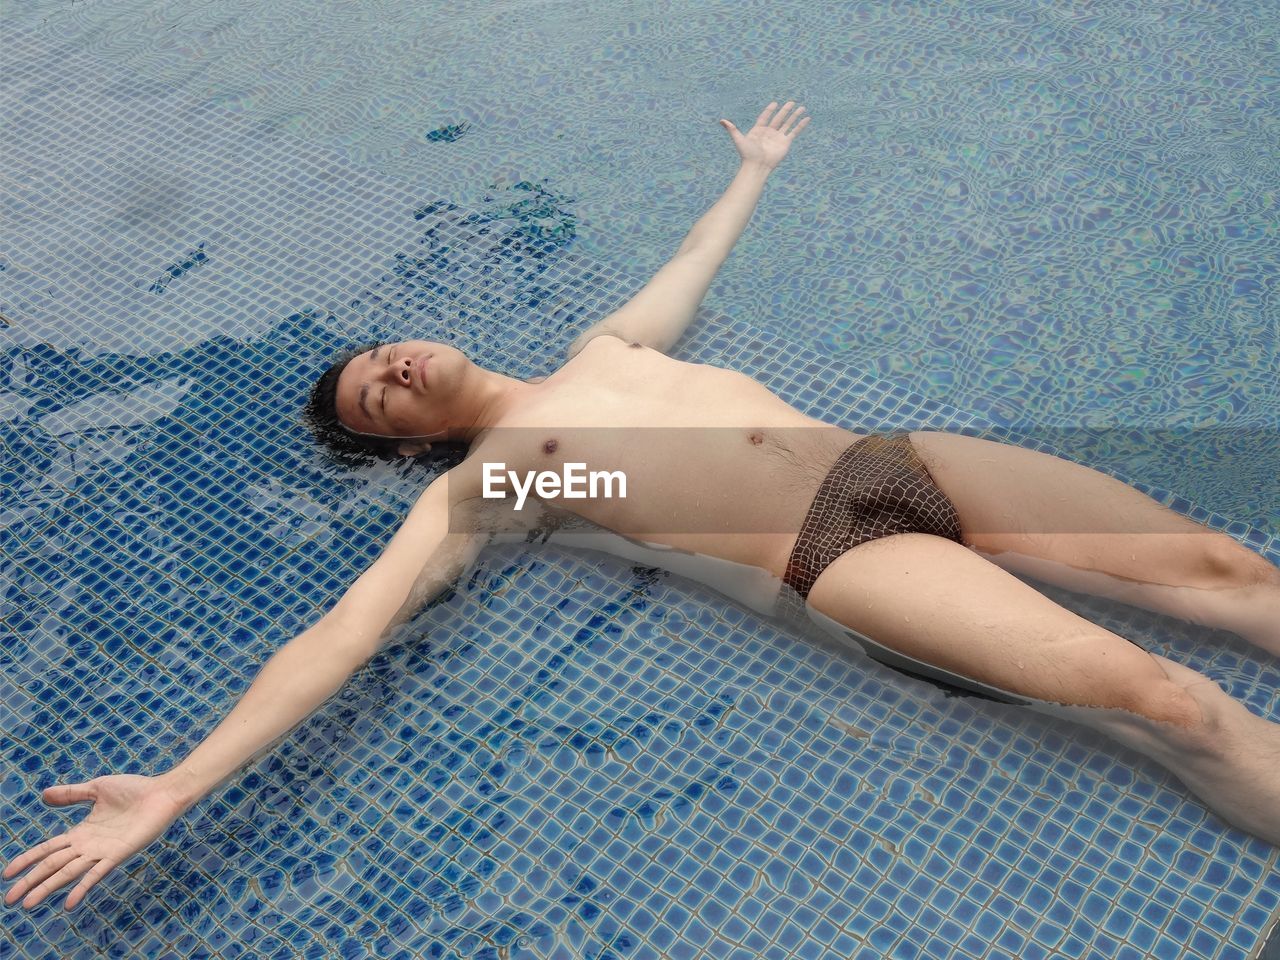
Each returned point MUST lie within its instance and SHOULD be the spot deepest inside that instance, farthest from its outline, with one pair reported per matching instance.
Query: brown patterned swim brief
(878, 487)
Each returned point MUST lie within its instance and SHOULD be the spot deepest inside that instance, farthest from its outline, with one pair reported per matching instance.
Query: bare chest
(685, 455)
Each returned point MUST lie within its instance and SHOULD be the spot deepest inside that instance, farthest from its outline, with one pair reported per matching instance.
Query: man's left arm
(660, 312)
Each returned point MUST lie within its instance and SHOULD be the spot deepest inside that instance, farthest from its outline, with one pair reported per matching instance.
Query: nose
(400, 371)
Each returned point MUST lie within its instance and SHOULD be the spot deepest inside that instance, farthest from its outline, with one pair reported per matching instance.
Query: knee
(1171, 713)
(1165, 702)
(1176, 719)
(1231, 564)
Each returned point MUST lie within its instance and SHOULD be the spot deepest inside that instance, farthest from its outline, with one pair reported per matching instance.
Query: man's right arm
(421, 560)
(130, 811)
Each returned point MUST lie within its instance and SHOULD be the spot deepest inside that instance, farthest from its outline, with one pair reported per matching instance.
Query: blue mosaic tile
(479, 789)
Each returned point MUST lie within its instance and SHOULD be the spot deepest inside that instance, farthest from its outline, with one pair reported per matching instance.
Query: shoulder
(604, 335)
(465, 481)
(511, 446)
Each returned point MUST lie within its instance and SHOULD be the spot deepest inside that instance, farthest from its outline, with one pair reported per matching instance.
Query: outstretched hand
(128, 812)
(769, 140)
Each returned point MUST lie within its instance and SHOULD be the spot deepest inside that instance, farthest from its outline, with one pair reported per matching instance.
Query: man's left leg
(1069, 525)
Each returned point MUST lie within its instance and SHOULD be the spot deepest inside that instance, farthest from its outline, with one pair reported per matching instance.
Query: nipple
(550, 446)
(635, 343)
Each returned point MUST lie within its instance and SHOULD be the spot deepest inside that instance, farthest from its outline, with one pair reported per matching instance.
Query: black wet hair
(353, 449)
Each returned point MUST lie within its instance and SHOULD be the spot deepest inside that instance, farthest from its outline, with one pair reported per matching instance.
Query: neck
(490, 397)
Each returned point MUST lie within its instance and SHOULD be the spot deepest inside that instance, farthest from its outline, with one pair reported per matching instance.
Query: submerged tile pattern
(566, 755)
(1032, 211)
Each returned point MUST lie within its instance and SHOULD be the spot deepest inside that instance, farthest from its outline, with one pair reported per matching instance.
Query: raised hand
(769, 140)
(128, 813)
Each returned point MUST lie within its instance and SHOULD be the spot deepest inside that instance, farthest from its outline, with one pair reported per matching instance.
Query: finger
(791, 121)
(64, 876)
(800, 126)
(48, 865)
(35, 853)
(764, 115)
(100, 870)
(781, 114)
(68, 793)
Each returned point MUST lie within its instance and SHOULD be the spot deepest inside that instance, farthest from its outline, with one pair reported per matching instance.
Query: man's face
(400, 389)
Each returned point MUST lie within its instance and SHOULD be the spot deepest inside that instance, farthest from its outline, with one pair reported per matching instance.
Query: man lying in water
(910, 542)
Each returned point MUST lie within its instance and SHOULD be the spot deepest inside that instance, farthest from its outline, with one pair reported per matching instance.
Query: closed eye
(382, 400)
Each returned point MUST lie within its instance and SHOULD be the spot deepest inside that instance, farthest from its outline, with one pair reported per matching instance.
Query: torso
(716, 464)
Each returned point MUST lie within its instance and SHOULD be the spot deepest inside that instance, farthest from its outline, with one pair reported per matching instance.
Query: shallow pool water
(1056, 226)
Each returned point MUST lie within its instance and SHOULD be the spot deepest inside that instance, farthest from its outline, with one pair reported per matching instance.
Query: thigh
(1076, 527)
(939, 602)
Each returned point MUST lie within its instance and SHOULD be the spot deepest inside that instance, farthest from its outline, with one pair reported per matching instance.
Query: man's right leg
(1238, 751)
(940, 602)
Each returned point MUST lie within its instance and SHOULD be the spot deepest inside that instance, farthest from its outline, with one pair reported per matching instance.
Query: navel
(757, 438)
(551, 446)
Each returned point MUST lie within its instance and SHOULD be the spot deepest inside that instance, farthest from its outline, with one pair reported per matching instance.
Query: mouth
(420, 367)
